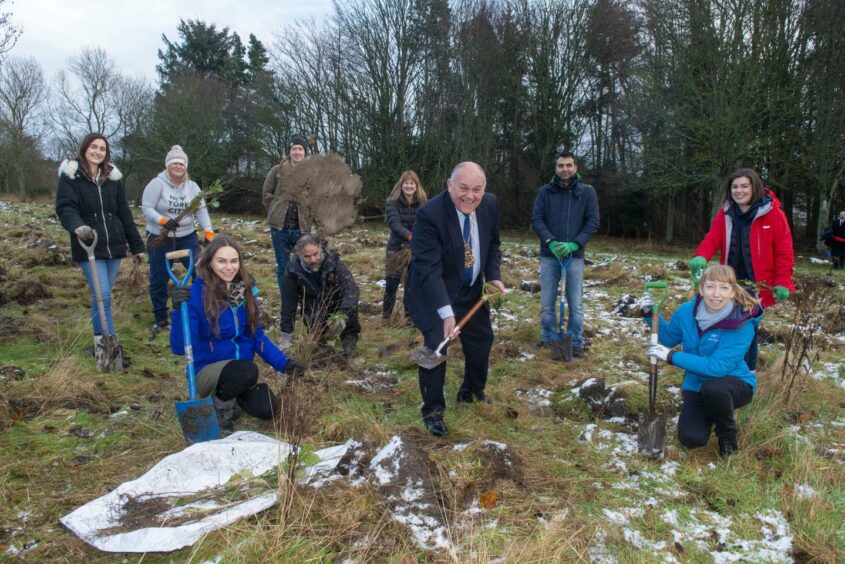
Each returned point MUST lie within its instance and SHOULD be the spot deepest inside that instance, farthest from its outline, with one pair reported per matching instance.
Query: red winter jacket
(772, 257)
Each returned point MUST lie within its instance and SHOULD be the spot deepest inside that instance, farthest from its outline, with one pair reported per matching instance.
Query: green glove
(337, 323)
(781, 294)
(697, 265)
(557, 249)
(570, 248)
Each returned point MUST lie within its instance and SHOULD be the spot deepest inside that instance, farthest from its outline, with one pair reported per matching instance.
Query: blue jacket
(234, 342)
(717, 352)
(566, 214)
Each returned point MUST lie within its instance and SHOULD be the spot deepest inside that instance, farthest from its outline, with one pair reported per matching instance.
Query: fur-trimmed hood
(70, 168)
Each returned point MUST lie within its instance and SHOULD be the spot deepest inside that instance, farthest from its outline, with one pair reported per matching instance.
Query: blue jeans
(283, 242)
(158, 269)
(107, 270)
(550, 273)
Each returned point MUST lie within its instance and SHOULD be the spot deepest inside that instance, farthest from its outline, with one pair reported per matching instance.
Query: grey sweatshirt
(162, 199)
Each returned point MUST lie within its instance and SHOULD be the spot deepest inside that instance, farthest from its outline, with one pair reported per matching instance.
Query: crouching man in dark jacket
(319, 282)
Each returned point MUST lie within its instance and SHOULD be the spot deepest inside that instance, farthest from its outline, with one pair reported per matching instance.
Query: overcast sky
(130, 30)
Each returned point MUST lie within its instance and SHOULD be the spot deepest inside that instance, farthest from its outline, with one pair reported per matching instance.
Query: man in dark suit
(455, 247)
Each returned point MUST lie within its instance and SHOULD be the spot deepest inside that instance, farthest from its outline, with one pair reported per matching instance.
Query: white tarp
(103, 522)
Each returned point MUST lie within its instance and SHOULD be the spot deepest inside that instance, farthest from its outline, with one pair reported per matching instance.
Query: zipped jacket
(400, 219)
(101, 205)
(234, 341)
(337, 291)
(717, 352)
(565, 214)
(770, 241)
(276, 195)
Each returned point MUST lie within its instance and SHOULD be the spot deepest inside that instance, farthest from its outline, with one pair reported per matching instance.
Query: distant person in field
(837, 243)
(565, 216)
(752, 236)
(715, 329)
(403, 202)
(90, 199)
(164, 198)
(226, 334)
(455, 249)
(317, 281)
(287, 218)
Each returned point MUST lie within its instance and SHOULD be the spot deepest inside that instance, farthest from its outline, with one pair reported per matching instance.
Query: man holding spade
(565, 216)
(455, 248)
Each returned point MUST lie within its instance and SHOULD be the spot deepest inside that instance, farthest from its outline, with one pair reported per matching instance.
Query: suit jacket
(437, 247)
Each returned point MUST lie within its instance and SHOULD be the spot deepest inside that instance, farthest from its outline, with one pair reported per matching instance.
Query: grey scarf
(706, 319)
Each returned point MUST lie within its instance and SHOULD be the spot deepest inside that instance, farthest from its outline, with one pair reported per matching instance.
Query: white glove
(647, 301)
(659, 351)
(285, 341)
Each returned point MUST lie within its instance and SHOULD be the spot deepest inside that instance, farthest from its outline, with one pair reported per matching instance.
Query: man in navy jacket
(565, 216)
(455, 248)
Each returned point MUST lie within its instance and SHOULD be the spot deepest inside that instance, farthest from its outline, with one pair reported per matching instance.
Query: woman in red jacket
(752, 235)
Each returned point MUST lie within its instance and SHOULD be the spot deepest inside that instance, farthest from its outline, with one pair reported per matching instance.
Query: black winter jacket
(400, 219)
(334, 290)
(80, 201)
(566, 214)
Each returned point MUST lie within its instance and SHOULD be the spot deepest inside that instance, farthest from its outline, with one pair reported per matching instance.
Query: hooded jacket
(276, 195)
(321, 294)
(82, 201)
(717, 352)
(162, 199)
(234, 342)
(566, 214)
(770, 241)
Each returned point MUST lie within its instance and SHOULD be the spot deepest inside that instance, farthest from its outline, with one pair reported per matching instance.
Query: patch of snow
(803, 492)
(776, 545)
(388, 452)
(460, 447)
(537, 396)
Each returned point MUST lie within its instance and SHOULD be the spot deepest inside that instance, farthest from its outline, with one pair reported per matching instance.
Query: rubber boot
(728, 445)
(390, 288)
(99, 350)
(349, 342)
(225, 414)
(123, 357)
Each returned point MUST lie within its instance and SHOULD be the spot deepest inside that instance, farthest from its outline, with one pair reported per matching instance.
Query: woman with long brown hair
(403, 202)
(226, 334)
(90, 199)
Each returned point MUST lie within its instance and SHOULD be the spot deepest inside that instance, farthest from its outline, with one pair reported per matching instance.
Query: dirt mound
(604, 402)
(502, 464)
(25, 292)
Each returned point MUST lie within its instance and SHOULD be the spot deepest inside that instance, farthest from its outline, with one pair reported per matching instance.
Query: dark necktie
(469, 259)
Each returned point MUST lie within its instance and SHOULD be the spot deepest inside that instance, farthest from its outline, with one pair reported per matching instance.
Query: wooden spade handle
(465, 319)
(173, 255)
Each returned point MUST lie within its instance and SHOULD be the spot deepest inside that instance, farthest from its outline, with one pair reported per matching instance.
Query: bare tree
(9, 32)
(22, 93)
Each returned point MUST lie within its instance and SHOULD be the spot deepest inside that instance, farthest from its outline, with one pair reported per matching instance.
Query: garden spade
(197, 417)
(430, 359)
(561, 349)
(110, 357)
(651, 433)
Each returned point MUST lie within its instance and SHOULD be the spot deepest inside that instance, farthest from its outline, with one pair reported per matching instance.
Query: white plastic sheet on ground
(196, 468)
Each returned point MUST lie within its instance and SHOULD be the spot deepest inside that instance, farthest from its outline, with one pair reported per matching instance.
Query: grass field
(572, 486)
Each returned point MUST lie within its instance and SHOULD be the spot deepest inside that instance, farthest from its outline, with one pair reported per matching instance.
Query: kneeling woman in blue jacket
(715, 329)
(226, 334)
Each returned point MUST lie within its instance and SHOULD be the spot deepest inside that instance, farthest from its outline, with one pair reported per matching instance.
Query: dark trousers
(391, 286)
(283, 242)
(158, 269)
(239, 380)
(714, 405)
(476, 339)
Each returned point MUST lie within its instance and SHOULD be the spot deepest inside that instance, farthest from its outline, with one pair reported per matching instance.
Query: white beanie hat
(176, 155)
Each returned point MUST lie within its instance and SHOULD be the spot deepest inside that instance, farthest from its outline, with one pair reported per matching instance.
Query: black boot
(349, 342)
(728, 445)
(225, 414)
(390, 288)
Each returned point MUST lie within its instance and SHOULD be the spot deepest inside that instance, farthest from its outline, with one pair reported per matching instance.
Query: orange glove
(209, 235)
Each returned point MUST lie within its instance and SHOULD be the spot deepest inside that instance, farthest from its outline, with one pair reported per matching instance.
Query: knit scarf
(707, 319)
(236, 292)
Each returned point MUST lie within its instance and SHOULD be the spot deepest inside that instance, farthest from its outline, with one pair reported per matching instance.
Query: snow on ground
(830, 371)
(538, 396)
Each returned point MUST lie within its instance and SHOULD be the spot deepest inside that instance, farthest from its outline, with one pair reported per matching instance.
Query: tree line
(659, 99)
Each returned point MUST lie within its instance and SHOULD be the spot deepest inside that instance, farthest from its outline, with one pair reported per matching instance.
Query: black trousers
(476, 339)
(714, 405)
(239, 380)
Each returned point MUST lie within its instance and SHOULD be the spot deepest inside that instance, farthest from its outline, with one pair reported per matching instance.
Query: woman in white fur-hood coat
(90, 199)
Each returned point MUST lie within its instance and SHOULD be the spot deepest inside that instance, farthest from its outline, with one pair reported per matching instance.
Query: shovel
(111, 359)
(197, 417)
(428, 359)
(651, 433)
(561, 349)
